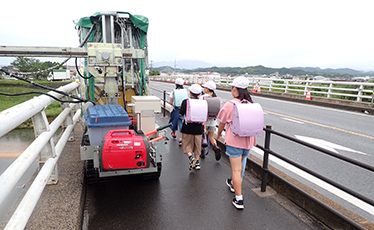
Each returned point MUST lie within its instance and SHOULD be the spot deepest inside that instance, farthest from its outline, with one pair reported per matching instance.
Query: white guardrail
(42, 147)
(328, 89)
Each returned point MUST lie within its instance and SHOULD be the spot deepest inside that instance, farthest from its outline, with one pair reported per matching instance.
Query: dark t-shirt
(190, 128)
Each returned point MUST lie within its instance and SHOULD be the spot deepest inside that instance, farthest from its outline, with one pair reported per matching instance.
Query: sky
(235, 33)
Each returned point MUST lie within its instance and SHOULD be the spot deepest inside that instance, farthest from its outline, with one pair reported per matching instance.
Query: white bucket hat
(240, 82)
(210, 85)
(195, 89)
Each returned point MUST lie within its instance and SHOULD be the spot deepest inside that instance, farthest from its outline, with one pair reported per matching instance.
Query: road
(347, 133)
(183, 199)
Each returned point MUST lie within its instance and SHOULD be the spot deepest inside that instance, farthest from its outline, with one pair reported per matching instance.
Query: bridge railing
(43, 148)
(365, 201)
(328, 89)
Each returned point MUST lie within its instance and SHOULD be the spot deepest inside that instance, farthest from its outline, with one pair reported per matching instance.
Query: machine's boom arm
(40, 51)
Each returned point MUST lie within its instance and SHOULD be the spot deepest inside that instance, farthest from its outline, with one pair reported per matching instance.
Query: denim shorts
(236, 152)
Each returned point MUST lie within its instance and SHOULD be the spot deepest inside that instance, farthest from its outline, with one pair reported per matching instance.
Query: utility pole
(175, 65)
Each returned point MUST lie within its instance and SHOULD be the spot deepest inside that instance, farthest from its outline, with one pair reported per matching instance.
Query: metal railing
(43, 148)
(265, 169)
(328, 89)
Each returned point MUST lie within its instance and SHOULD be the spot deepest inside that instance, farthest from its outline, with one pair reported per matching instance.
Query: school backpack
(214, 106)
(179, 96)
(247, 119)
(196, 111)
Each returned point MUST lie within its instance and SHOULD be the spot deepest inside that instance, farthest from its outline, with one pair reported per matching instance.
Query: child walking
(237, 148)
(210, 124)
(176, 97)
(192, 132)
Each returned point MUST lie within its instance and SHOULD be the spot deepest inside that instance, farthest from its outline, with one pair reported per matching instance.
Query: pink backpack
(196, 111)
(247, 119)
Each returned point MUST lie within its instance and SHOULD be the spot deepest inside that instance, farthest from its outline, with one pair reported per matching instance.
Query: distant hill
(329, 70)
(199, 66)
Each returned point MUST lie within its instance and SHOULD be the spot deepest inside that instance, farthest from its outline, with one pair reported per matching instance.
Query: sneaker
(217, 152)
(202, 155)
(229, 183)
(197, 166)
(173, 135)
(239, 204)
(180, 142)
(192, 162)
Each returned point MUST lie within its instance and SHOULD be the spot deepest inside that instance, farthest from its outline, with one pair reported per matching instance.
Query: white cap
(240, 82)
(210, 85)
(195, 89)
(179, 81)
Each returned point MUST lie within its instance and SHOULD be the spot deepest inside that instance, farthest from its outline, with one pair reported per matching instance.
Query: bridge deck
(178, 200)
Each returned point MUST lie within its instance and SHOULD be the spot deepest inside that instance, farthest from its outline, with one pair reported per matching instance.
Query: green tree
(154, 72)
(24, 64)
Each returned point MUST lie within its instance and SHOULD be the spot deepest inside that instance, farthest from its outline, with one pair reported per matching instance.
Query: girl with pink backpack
(237, 146)
(195, 112)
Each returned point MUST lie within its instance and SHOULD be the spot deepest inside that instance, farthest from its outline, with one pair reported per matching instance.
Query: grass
(17, 86)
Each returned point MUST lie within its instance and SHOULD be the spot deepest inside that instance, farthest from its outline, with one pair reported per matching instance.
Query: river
(11, 146)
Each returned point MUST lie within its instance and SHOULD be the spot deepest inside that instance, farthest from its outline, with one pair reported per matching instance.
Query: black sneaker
(192, 162)
(197, 166)
(180, 142)
(202, 155)
(229, 183)
(217, 152)
(239, 204)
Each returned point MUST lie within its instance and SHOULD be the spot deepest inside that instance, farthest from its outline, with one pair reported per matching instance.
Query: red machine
(125, 149)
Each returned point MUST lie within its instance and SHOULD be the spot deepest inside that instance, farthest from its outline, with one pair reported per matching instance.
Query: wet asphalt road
(183, 199)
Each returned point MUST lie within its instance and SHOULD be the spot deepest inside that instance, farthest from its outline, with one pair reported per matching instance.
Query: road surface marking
(327, 145)
(325, 126)
(292, 120)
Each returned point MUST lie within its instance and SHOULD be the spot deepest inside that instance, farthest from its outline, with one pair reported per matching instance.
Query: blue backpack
(179, 96)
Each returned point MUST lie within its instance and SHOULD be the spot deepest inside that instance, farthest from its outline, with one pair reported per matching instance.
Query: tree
(24, 64)
(154, 72)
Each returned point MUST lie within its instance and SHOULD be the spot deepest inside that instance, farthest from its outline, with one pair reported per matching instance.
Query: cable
(40, 92)
(57, 66)
(51, 68)
(76, 68)
(47, 88)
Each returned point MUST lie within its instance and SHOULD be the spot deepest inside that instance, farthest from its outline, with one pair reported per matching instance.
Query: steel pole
(265, 162)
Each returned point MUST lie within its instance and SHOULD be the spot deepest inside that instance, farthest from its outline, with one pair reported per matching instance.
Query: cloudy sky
(273, 33)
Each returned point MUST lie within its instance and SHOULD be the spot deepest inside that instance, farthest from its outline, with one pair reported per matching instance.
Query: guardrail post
(265, 162)
(164, 103)
(359, 94)
(69, 119)
(330, 90)
(287, 85)
(306, 87)
(41, 124)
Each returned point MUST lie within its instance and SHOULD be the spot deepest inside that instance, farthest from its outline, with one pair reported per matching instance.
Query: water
(11, 146)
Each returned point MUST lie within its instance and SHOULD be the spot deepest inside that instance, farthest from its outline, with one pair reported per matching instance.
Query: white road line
(288, 119)
(343, 195)
(327, 145)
